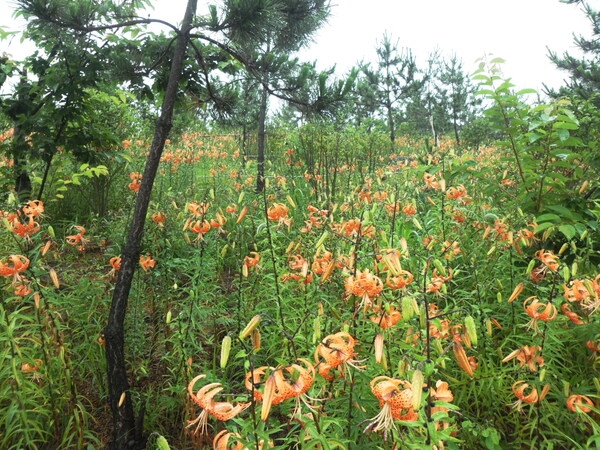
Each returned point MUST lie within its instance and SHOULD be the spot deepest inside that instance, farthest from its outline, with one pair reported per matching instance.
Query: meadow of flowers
(361, 301)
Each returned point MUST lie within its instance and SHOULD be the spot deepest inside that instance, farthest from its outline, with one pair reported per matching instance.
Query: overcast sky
(519, 31)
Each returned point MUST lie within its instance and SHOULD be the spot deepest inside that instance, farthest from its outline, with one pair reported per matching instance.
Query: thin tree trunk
(260, 158)
(124, 433)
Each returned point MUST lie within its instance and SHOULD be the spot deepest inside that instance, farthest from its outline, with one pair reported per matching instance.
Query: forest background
(402, 256)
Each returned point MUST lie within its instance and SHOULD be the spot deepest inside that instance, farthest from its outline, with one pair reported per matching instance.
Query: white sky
(518, 31)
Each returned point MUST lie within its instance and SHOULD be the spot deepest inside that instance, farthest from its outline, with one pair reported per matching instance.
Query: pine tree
(584, 71)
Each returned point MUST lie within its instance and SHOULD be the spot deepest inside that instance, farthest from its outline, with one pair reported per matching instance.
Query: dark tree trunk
(125, 434)
(260, 158)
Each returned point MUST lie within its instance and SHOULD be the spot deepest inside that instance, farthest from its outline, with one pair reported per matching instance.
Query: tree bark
(260, 157)
(125, 435)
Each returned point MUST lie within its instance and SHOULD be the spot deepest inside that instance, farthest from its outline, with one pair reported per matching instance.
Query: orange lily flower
(335, 351)
(283, 383)
(396, 402)
(409, 209)
(577, 292)
(147, 262)
(200, 227)
(77, 239)
(528, 354)
(25, 230)
(34, 208)
(519, 388)
(159, 218)
(221, 441)
(431, 181)
(278, 213)
(388, 318)
(321, 263)
(437, 281)
(594, 347)
(456, 192)
(198, 209)
(573, 316)
(580, 403)
(135, 184)
(204, 398)
(252, 259)
(539, 311)
(16, 265)
(23, 290)
(115, 263)
(549, 259)
(364, 284)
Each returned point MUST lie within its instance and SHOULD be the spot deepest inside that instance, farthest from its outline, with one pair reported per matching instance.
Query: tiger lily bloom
(33, 208)
(388, 318)
(115, 263)
(573, 316)
(159, 218)
(77, 239)
(529, 355)
(396, 402)
(364, 285)
(580, 403)
(336, 351)
(135, 184)
(576, 292)
(454, 193)
(24, 230)
(549, 259)
(399, 281)
(539, 311)
(250, 261)
(221, 441)
(519, 388)
(147, 262)
(278, 212)
(283, 383)
(16, 265)
(198, 209)
(204, 398)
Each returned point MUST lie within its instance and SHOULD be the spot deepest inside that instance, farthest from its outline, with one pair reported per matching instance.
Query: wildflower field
(433, 297)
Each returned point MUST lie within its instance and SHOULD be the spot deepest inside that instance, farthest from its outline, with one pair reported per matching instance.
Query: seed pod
(417, 224)
(563, 248)
(225, 351)
(161, 443)
(256, 339)
(243, 213)
(254, 322)
(378, 348)
(471, 329)
(408, 310)
(530, 266)
(322, 239)
(439, 266)
(290, 201)
(417, 389)
(516, 292)
(461, 358)
(46, 247)
(54, 278)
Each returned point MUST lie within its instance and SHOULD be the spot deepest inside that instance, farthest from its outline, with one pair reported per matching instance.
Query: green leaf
(549, 217)
(568, 231)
